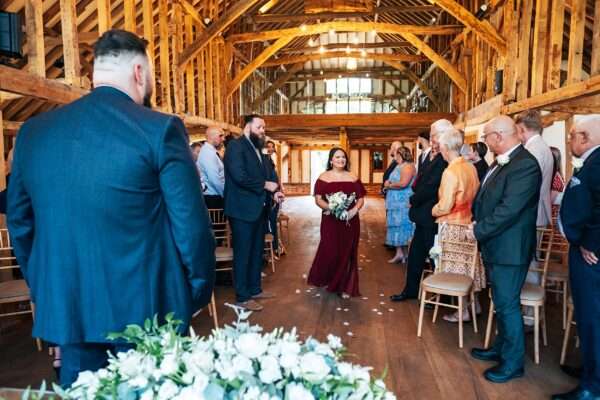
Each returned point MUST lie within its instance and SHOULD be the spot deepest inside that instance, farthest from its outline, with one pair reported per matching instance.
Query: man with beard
(102, 198)
(250, 187)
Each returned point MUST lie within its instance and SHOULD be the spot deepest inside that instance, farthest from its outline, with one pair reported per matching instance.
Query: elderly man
(211, 168)
(425, 196)
(505, 212)
(386, 175)
(106, 215)
(580, 221)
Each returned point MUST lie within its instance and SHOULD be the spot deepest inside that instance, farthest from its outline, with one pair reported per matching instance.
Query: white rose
(251, 393)
(502, 159)
(577, 162)
(242, 364)
(290, 348)
(200, 382)
(167, 390)
(289, 362)
(313, 367)
(190, 393)
(225, 369)
(129, 363)
(169, 364)
(295, 391)
(147, 395)
(334, 342)
(269, 370)
(138, 382)
(252, 345)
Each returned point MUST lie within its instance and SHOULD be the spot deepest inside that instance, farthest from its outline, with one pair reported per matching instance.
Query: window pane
(365, 85)
(366, 106)
(342, 107)
(342, 86)
(330, 107)
(354, 85)
(331, 86)
(354, 106)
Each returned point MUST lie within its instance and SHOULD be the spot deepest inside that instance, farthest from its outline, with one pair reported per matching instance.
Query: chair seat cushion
(224, 253)
(532, 292)
(13, 289)
(449, 281)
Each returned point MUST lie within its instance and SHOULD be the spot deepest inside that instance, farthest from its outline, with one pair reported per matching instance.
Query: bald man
(211, 168)
(505, 213)
(386, 175)
(580, 220)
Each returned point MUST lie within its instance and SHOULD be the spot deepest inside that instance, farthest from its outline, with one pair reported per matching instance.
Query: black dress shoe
(500, 373)
(577, 394)
(573, 372)
(485, 354)
(401, 297)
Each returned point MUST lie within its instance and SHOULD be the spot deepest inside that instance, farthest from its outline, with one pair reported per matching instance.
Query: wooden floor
(377, 332)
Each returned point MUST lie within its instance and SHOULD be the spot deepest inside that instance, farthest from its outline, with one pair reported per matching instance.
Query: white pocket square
(574, 182)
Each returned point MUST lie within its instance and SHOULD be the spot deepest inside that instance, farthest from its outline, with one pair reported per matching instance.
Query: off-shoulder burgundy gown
(336, 262)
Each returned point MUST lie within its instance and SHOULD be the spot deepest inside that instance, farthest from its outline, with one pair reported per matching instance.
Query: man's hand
(470, 232)
(352, 213)
(271, 186)
(588, 256)
(279, 197)
(387, 184)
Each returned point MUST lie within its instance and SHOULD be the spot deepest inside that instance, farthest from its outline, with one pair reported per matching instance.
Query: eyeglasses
(485, 135)
(575, 133)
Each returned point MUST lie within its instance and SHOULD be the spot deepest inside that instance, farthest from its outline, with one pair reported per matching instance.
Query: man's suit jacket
(387, 173)
(423, 160)
(542, 153)
(505, 210)
(107, 218)
(245, 177)
(425, 190)
(580, 207)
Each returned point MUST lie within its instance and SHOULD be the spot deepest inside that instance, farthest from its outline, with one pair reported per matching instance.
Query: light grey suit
(541, 151)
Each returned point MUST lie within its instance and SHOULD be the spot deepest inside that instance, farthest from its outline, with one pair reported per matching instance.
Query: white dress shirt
(212, 171)
(496, 165)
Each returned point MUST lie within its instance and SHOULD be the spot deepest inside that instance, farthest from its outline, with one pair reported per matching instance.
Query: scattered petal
(382, 302)
(375, 310)
(379, 313)
(365, 298)
(381, 295)
(298, 291)
(339, 309)
(346, 323)
(346, 310)
(349, 333)
(304, 276)
(391, 310)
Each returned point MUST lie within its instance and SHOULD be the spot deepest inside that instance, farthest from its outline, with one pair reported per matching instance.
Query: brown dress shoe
(263, 296)
(250, 305)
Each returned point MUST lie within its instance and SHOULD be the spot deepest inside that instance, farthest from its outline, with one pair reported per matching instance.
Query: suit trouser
(420, 245)
(248, 249)
(585, 289)
(79, 357)
(506, 284)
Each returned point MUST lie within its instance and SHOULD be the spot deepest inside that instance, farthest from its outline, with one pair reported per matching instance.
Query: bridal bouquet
(338, 204)
(236, 362)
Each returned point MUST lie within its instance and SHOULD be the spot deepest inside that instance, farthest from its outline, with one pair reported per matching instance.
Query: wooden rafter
(279, 18)
(104, 15)
(191, 11)
(228, 17)
(256, 63)
(324, 121)
(483, 29)
(68, 17)
(416, 80)
(345, 26)
(34, 25)
(276, 85)
(442, 63)
(351, 46)
(343, 54)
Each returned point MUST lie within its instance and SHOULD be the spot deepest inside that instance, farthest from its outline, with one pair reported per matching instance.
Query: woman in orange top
(455, 196)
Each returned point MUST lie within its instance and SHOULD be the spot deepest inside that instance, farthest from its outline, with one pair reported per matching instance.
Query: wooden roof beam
(345, 26)
(342, 54)
(256, 63)
(229, 16)
(322, 121)
(279, 18)
(483, 29)
(352, 46)
(416, 80)
(276, 85)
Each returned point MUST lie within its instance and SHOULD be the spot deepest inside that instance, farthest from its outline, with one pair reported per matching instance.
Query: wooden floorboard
(431, 367)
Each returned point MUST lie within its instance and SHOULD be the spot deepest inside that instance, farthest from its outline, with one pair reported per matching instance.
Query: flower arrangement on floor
(338, 204)
(234, 362)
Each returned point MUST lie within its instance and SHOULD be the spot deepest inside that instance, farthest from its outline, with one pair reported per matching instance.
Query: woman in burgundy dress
(336, 262)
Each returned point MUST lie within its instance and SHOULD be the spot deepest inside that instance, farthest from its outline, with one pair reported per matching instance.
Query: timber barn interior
(355, 74)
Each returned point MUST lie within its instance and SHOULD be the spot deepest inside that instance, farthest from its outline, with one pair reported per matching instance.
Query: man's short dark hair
(531, 119)
(270, 142)
(481, 148)
(424, 135)
(195, 145)
(117, 41)
(249, 118)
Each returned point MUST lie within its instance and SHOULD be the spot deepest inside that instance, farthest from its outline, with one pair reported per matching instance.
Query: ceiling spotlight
(374, 32)
(367, 75)
(332, 31)
(303, 27)
(340, 76)
(347, 49)
(363, 53)
(321, 49)
(351, 63)
(355, 40)
(311, 42)
(321, 72)
(207, 21)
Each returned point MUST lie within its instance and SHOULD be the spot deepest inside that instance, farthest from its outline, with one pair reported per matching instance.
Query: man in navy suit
(250, 187)
(580, 221)
(106, 213)
(505, 213)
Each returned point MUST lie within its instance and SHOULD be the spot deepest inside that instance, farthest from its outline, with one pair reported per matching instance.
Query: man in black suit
(106, 215)
(250, 187)
(386, 175)
(425, 147)
(504, 213)
(425, 196)
(580, 221)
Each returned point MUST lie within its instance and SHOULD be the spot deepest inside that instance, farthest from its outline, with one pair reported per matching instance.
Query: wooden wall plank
(217, 73)
(104, 15)
(177, 48)
(209, 87)
(540, 47)
(148, 22)
(557, 20)
(201, 78)
(165, 68)
(595, 61)
(576, 36)
(190, 79)
(34, 26)
(68, 17)
(523, 63)
(2, 166)
(511, 29)
(129, 11)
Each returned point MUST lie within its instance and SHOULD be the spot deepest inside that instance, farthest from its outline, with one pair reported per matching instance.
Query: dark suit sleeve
(20, 218)
(522, 187)
(188, 215)
(428, 188)
(577, 214)
(236, 168)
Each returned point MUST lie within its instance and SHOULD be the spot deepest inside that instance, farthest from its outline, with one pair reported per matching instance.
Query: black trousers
(248, 249)
(585, 289)
(214, 201)
(419, 251)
